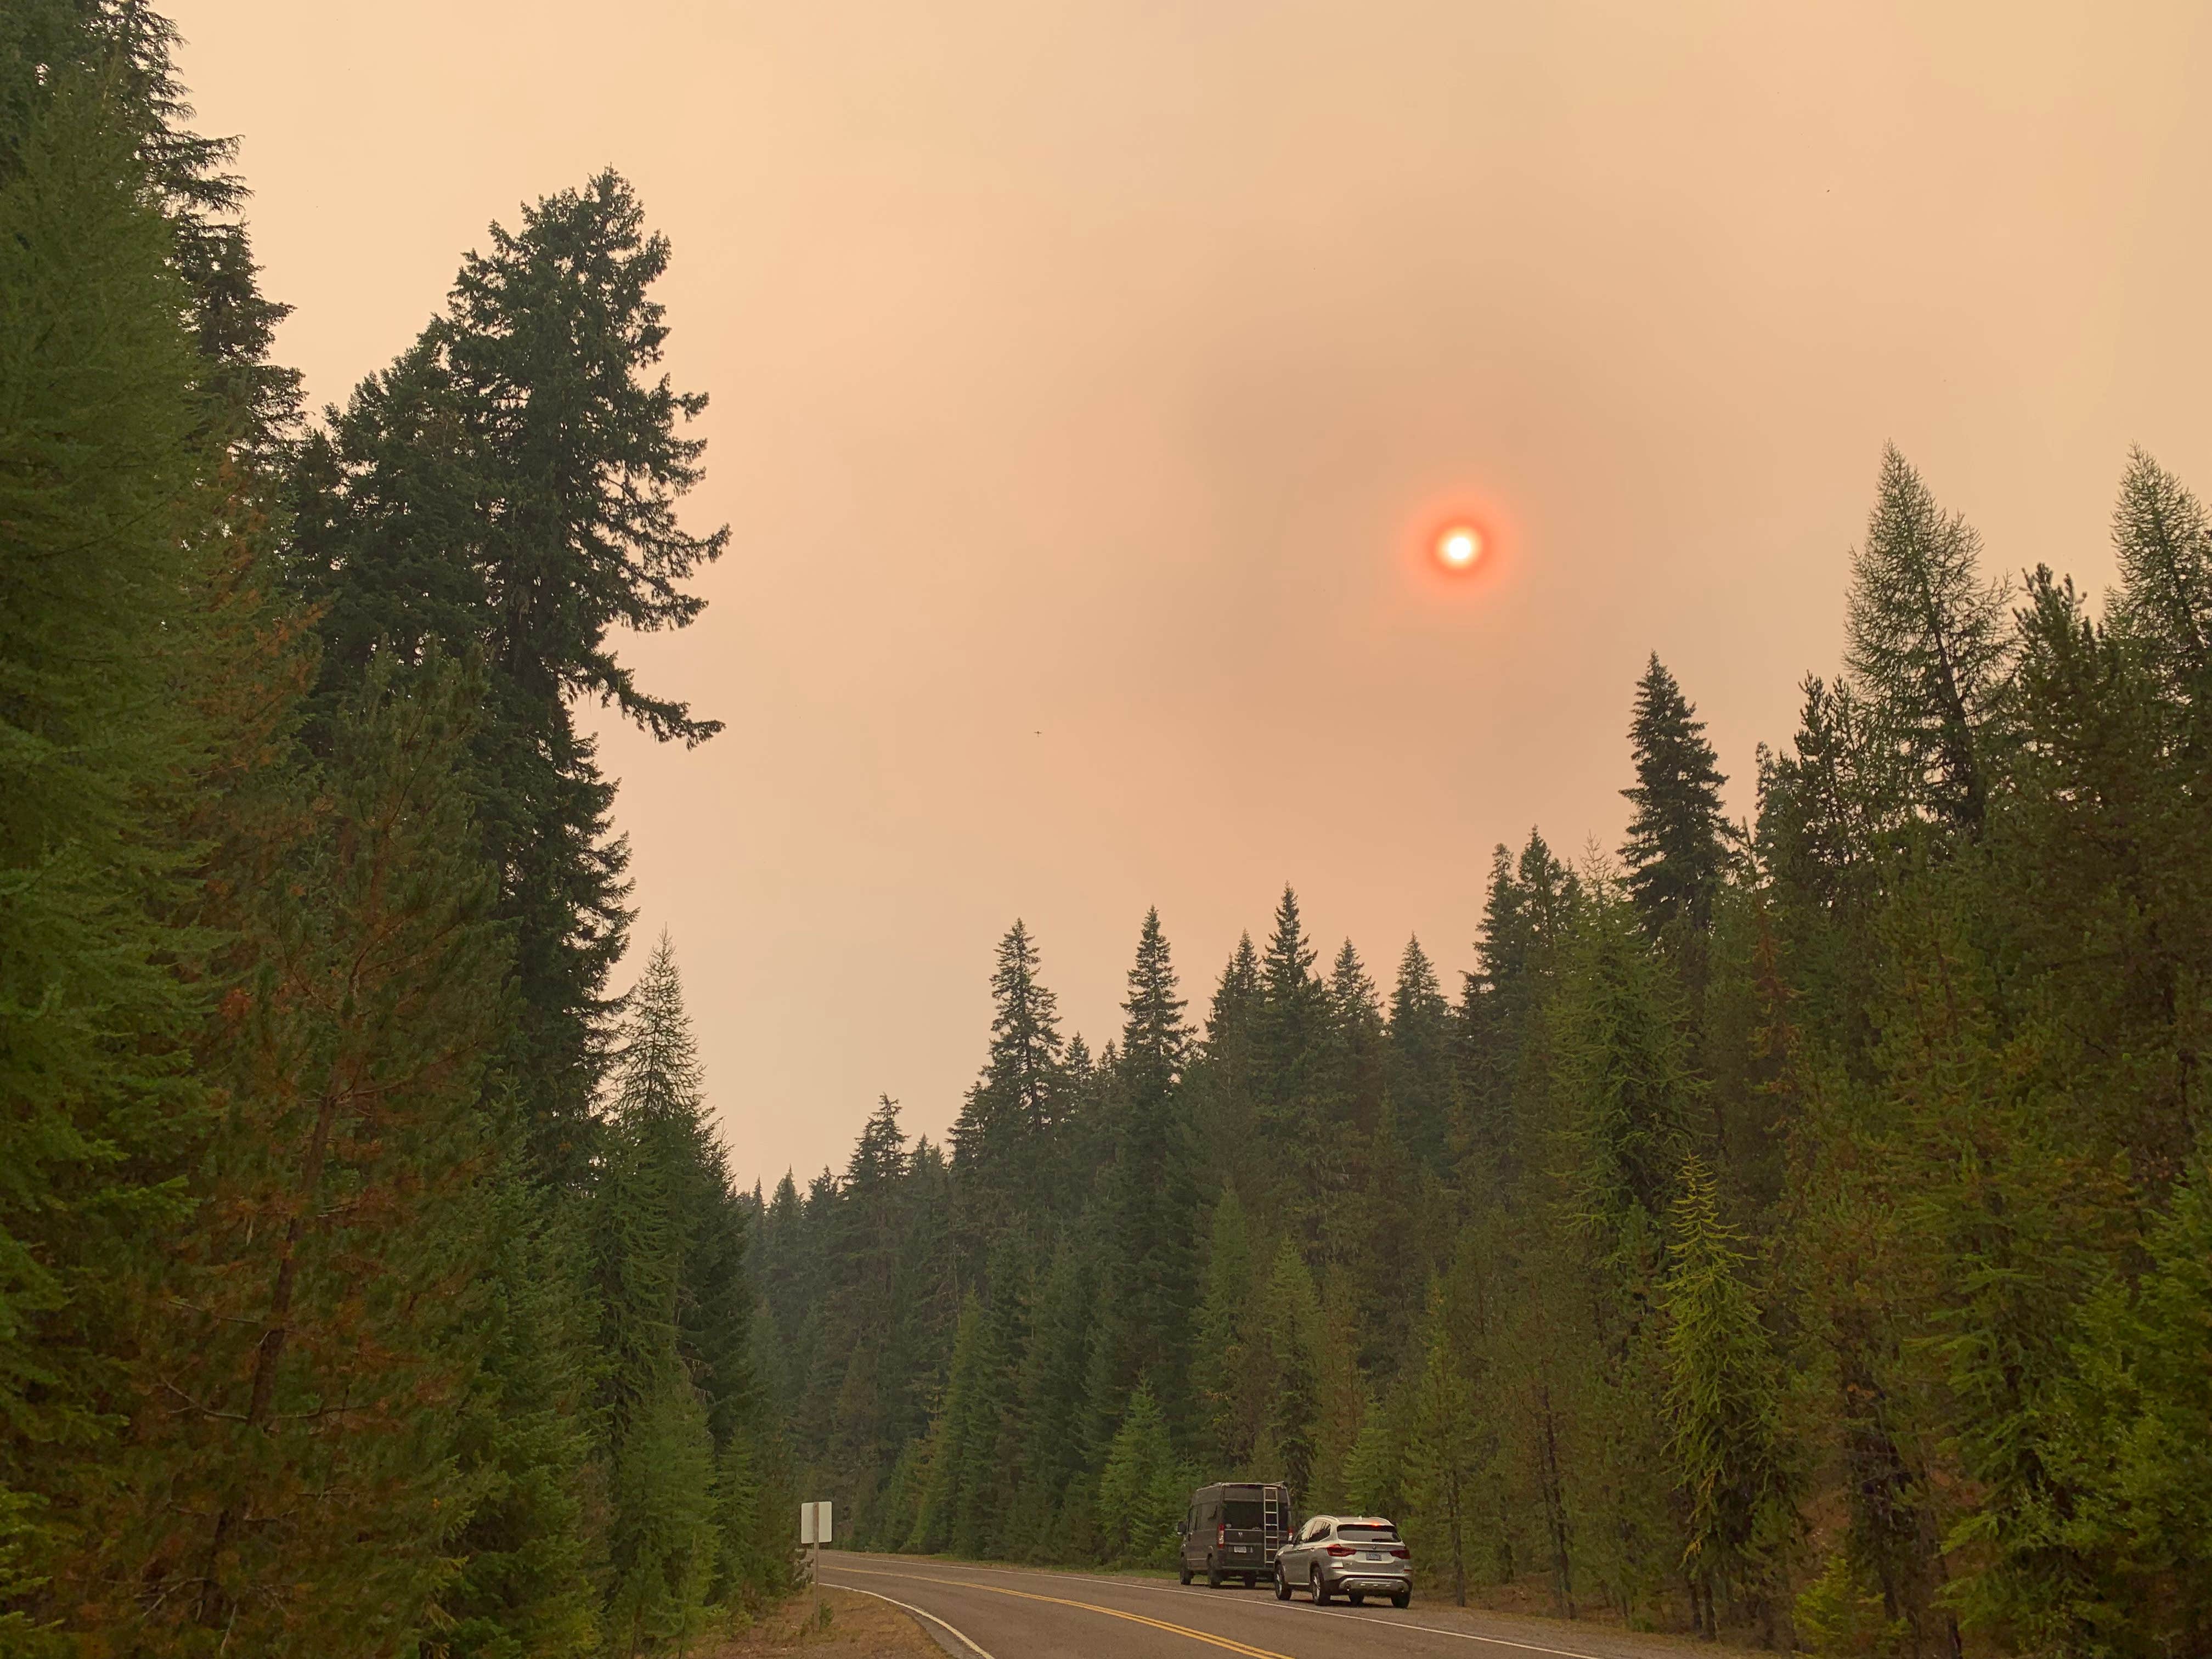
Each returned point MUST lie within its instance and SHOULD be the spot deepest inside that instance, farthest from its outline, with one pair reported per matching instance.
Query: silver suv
(1355, 1556)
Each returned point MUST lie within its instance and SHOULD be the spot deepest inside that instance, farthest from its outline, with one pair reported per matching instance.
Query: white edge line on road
(1458, 1635)
(1176, 1589)
(958, 1635)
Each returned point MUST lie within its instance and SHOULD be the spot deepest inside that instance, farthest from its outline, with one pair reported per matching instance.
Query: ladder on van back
(1271, 1513)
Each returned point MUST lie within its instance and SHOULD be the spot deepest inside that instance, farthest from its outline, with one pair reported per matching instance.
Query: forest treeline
(370, 1281)
(1799, 1229)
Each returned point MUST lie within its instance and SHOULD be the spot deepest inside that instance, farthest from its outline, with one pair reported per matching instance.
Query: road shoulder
(859, 1627)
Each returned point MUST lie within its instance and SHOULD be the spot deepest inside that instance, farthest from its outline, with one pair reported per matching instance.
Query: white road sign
(814, 1522)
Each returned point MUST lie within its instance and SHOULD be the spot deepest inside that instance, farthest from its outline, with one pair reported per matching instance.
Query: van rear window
(1240, 1512)
(1369, 1534)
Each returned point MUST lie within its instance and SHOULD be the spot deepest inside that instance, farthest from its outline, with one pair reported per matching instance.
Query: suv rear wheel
(1319, 1587)
(1282, 1586)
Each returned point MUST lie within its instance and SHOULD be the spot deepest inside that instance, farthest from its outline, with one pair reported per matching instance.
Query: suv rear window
(1383, 1534)
(1240, 1512)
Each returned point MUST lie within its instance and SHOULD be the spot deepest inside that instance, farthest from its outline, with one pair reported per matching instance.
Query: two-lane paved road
(1020, 1613)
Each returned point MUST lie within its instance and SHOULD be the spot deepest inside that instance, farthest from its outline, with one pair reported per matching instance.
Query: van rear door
(1244, 1547)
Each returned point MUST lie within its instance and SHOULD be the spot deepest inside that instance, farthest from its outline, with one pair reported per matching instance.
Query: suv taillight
(1403, 1554)
(1341, 1549)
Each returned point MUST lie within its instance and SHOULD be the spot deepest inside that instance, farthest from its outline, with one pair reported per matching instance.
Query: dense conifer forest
(370, 1280)
(1798, 1229)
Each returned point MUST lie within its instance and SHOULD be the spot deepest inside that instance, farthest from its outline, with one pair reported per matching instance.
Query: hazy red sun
(1459, 546)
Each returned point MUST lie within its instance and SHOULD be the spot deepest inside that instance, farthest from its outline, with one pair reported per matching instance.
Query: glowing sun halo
(1458, 547)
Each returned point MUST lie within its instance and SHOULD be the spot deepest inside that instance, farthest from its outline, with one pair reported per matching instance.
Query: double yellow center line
(1206, 1637)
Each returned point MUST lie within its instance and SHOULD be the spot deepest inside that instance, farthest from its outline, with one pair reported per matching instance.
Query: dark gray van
(1233, 1530)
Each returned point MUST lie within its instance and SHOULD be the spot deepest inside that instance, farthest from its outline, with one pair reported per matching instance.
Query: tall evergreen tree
(1142, 1488)
(1623, 1074)
(100, 748)
(333, 1252)
(1926, 639)
(529, 1553)
(1290, 1056)
(675, 1313)
(661, 1102)
(953, 1434)
(1417, 1059)
(781, 1265)
(1054, 1394)
(1225, 1082)
(1677, 845)
(1347, 1092)
(145, 687)
(1286, 1342)
(1293, 1016)
(2134, 1437)
(1148, 1193)
(2164, 541)
(1527, 918)
(1444, 1460)
(1225, 1369)
(244, 401)
(999, 1141)
(1341, 1391)
(1724, 1406)
(511, 482)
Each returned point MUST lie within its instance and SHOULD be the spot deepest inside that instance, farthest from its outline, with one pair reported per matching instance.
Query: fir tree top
(1022, 1079)
(1154, 1036)
(1027, 1052)
(1352, 992)
(657, 1074)
(1926, 637)
(1526, 910)
(1677, 840)
(879, 1156)
(1287, 969)
(1236, 994)
(1418, 996)
(2164, 541)
(550, 339)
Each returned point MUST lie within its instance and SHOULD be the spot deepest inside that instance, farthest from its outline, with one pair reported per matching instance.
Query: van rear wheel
(1213, 1573)
(1183, 1571)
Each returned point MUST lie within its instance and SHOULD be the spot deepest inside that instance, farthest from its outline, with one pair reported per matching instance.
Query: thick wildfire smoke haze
(1089, 382)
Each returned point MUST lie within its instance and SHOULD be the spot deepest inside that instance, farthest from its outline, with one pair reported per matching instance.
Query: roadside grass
(857, 1627)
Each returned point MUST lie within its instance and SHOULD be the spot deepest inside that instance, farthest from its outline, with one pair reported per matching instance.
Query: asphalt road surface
(1020, 1613)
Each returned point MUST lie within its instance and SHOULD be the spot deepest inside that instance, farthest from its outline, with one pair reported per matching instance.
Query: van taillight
(1221, 1533)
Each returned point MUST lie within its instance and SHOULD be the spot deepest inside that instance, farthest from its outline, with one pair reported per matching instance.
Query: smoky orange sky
(1086, 376)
